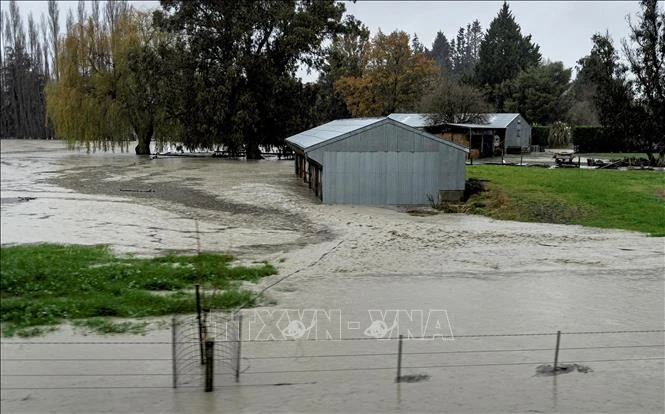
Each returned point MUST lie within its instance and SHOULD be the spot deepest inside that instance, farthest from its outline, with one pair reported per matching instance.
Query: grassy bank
(630, 200)
(43, 285)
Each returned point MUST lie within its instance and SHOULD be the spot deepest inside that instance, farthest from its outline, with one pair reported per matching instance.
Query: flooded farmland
(490, 277)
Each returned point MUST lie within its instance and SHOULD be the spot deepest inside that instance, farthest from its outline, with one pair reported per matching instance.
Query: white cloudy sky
(563, 29)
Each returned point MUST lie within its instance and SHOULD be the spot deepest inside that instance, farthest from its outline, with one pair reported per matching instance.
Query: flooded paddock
(490, 277)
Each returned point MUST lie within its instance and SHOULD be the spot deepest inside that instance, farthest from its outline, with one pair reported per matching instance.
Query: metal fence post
(399, 360)
(239, 347)
(556, 352)
(210, 363)
(173, 352)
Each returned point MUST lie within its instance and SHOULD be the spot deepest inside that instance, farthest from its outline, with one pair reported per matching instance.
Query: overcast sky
(563, 29)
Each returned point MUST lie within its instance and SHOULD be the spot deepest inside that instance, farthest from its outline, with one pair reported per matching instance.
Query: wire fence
(178, 362)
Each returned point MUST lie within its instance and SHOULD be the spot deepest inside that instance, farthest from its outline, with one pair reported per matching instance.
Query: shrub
(560, 135)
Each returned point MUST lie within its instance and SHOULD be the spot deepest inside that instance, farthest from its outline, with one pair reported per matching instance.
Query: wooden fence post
(556, 352)
(399, 360)
(210, 363)
(173, 352)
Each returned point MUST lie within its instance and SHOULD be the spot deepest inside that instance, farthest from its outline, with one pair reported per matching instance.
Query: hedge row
(585, 138)
(539, 135)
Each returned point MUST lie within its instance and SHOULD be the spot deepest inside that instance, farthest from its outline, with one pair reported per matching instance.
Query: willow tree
(106, 92)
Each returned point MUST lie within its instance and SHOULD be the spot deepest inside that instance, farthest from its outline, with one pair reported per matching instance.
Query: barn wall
(382, 178)
(451, 169)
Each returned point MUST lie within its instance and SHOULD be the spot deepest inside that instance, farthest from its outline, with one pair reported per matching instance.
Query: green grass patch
(42, 285)
(630, 200)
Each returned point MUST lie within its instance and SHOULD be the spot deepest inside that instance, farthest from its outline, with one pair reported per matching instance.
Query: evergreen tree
(474, 38)
(503, 53)
(458, 57)
(539, 93)
(416, 46)
(441, 53)
(612, 92)
(460, 60)
(345, 58)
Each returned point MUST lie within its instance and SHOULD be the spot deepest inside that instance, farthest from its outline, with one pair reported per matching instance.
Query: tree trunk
(252, 151)
(143, 147)
(144, 136)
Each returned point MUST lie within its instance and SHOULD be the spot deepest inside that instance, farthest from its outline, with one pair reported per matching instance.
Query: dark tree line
(24, 70)
(628, 100)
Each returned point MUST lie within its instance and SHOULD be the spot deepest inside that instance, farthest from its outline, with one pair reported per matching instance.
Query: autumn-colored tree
(394, 77)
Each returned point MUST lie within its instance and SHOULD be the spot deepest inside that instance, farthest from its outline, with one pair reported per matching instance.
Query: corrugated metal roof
(494, 120)
(342, 128)
(307, 139)
(412, 120)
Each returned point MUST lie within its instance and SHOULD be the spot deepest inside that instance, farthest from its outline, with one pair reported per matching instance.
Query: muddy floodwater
(479, 278)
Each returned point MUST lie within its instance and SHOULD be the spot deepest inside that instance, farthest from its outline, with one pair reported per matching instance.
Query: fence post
(399, 360)
(239, 347)
(198, 319)
(210, 363)
(173, 353)
(556, 352)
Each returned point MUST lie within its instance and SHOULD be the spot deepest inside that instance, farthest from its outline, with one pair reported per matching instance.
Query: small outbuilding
(378, 161)
(501, 133)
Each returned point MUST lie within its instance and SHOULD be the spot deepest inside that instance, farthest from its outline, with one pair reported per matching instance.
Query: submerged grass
(629, 200)
(43, 285)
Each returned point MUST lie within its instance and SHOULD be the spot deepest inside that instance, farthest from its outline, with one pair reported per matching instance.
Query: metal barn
(511, 131)
(503, 132)
(378, 161)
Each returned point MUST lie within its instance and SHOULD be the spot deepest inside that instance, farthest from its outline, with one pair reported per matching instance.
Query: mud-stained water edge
(488, 276)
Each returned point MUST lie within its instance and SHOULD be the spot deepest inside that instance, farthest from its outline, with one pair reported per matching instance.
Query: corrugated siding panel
(451, 171)
(381, 177)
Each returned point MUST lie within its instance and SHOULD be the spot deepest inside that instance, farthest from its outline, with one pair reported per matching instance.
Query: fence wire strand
(189, 370)
(452, 337)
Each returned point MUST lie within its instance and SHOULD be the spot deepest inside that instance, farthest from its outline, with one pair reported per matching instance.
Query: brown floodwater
(359, 264)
